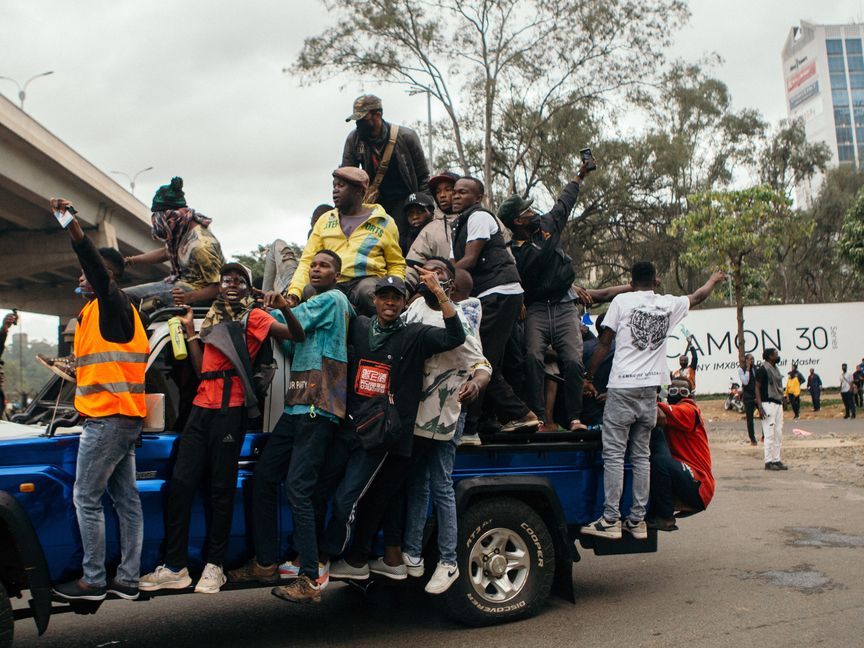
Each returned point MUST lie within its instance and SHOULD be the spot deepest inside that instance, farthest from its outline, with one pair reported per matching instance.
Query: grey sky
(195, 88)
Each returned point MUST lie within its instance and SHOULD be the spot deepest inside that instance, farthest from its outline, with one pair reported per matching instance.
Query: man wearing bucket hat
(364, 237)
(392, 156)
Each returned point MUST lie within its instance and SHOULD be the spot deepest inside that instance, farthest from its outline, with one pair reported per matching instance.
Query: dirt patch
(802, 578)
(821, 537)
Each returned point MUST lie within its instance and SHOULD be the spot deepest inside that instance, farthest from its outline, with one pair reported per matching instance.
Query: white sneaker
(638, 530)
(470, 440)
(289, 570)
(378, 566)
(342, 569)
(603, 529)
(211, 580)
(164, 578)
(413, 565)
(445, 575)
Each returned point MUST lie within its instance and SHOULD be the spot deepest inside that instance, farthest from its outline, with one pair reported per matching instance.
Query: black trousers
(210, 445)
(670, 479)
(795, 402)
(749, 411)
(295, 451)
(848, 404)
(500, 313)
(384, 504)
(816, 395)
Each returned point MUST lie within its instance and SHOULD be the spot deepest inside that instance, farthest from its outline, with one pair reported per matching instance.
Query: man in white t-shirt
(480, 248)
(639, 322)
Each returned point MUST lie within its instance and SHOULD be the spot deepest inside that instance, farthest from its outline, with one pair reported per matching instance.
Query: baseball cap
(237, 267)
(419, 200)
(393, 283)
(364, 104)
(512, 207)
(444, 176)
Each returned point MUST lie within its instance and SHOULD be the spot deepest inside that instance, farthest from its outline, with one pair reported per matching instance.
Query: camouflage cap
(363, 105)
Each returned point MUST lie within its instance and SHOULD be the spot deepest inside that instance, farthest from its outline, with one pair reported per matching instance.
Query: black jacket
(407, 155)
(495, 266)
(402, 357)
(547, 271)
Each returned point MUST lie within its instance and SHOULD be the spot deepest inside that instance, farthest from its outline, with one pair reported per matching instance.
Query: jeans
(211, 441)
(630, 414)
(297, 447)
(437, 477)
(106, 459)
(772, 430)
(499, 315)
(280, 264)
(749, 411)
(349, 471)
(671, 479)
(556, 324)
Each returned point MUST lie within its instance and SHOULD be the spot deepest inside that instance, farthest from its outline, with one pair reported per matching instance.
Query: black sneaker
(779, 465)
(78, 590)
(771, 466)
(128, 592)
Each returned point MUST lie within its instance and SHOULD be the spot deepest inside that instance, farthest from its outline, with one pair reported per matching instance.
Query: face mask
(674, 400)
(364, 128)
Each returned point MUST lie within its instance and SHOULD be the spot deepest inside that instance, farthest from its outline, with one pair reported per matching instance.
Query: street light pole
(411, 93)
(132, 178)
(22, 90)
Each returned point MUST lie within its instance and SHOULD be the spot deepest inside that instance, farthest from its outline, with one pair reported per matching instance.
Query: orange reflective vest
(109, 376)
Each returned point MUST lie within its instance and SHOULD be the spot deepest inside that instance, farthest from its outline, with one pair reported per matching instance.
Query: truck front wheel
(506, 563)
(7, 622)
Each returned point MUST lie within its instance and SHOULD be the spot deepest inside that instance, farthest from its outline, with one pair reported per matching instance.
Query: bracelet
(441, 302)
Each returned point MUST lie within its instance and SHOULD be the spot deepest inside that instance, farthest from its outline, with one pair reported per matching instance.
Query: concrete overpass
(38, 270)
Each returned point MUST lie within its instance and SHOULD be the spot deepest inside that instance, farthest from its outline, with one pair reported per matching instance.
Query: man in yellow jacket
(111, 350)
(364, 237)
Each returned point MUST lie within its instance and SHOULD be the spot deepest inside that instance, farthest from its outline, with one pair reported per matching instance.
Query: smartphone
(64, 217)
(588, 157)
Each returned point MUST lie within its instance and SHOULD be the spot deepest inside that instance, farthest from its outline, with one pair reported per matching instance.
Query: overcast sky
(195, 88)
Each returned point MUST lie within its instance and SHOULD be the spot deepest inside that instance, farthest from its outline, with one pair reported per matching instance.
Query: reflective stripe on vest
(109, 375)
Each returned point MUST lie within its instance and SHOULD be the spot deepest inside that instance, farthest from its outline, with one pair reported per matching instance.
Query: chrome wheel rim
(499, 565)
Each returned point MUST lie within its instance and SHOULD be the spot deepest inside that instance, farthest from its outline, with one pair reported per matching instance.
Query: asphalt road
(777, 560)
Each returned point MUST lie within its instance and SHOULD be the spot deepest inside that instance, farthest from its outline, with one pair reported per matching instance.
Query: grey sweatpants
(630, 414)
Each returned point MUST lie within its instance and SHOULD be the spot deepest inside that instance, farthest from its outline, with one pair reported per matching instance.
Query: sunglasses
(679, 391)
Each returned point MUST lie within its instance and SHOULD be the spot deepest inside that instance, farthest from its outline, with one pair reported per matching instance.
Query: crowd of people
(415, 320)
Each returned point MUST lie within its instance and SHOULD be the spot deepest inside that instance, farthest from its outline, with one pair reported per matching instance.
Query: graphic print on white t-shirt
(641, 321)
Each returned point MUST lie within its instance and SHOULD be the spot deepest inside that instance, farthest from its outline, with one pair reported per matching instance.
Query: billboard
(821, 336)
(802, 85)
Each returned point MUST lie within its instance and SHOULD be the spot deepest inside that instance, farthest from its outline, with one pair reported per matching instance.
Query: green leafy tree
(481, 59)
(731, 229)
(851, 239)
(788, 160)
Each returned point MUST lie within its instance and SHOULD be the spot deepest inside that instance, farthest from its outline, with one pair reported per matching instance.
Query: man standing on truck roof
(112, 348)
(639, 321)
(304, 435)
(233, 333)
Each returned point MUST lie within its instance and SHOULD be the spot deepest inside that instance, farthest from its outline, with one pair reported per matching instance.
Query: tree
(731, 228)
(480, 59)
(788, 160)
(851, 240)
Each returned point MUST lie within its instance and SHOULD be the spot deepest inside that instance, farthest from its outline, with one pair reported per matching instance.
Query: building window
(838, 81)
(853, 46)
(836, 65)
(846, 153)
(834, 46)
(839, 97)
(856, 79)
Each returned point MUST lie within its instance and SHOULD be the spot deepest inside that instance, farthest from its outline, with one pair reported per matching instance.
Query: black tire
(7, 622)
(510, 523)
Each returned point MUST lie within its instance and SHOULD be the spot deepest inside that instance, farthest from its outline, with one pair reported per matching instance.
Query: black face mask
(364, 128)
(674, 400)
(428, 296)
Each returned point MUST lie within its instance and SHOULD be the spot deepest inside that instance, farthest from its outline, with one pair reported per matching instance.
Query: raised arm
(702, 293)
(292, 330)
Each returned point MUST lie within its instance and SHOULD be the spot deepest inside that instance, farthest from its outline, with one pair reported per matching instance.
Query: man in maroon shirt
(681, 476)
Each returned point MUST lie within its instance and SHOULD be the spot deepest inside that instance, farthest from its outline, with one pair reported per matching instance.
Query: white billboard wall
(821, 336)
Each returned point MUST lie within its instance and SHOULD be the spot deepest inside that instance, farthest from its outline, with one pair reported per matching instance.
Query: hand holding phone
(588, 159)
(63, 210)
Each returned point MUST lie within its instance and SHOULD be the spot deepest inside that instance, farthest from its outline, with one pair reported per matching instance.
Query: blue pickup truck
(520, 502)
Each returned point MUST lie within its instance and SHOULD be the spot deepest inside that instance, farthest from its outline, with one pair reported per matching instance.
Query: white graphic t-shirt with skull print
(641, 320)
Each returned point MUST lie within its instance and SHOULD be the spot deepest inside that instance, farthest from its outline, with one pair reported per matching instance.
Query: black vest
(495, 266)
(749, 390)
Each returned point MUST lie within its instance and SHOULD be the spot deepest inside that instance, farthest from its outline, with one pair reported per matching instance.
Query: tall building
(823, 69)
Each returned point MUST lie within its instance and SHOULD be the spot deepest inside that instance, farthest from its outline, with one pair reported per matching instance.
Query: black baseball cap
(392, 283)
(419, 200)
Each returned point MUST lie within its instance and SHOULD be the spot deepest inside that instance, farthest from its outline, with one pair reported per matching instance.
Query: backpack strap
(372, 192)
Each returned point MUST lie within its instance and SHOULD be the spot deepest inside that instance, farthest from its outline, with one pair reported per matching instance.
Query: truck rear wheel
(506, 563)
(7, 622)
